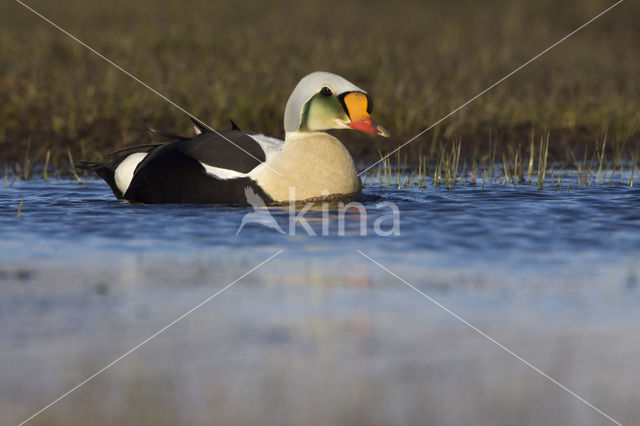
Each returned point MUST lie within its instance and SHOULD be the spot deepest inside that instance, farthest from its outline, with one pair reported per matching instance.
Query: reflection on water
(320, 335)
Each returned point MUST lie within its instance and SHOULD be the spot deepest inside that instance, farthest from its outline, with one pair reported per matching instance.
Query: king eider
(220, 166)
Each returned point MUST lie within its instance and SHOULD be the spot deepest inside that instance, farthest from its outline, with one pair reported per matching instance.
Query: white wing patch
(123, 174)
(271, 146)
(222, 174)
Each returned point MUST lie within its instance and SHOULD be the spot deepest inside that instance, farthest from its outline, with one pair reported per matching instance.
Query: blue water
(466, 224)
(320, 331)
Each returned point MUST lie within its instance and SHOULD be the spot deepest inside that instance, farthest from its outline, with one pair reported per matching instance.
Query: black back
(172, 171)
(230, 149)
(170, 176)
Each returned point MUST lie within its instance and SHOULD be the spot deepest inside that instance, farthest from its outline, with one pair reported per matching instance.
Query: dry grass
(240, 60)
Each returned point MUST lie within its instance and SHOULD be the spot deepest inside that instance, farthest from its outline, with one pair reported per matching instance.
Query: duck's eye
(326, 91)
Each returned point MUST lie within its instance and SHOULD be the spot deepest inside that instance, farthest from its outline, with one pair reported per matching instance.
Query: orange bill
(357, 104)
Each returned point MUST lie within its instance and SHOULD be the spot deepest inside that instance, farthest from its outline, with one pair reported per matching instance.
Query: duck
(222, 167)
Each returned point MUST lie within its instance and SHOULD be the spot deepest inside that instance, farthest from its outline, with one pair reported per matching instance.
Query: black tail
(166, 135)
(87, 165)
(105, 171)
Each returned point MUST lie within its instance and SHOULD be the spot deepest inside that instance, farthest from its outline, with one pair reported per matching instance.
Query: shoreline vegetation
(443, 165)
(580, 101)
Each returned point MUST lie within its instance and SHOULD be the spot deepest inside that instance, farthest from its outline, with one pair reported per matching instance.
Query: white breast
(310, 165)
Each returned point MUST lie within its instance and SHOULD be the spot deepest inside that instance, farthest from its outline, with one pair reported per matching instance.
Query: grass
(222, 60)
(445, 167)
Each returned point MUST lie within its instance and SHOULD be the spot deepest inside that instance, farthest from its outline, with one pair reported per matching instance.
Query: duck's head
(324, 101)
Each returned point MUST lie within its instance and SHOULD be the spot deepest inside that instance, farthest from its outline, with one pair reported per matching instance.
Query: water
(320, 334)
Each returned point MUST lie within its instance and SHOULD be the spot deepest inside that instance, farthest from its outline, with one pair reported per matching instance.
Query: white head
(324, 101)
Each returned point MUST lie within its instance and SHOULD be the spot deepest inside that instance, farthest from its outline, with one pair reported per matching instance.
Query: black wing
(173, 172)
(173, 177)
(229, 149)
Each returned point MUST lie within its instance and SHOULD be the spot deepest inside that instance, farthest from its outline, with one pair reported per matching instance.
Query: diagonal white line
(492, 86)
(76, 39)
(494, 341)
(163, 329)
